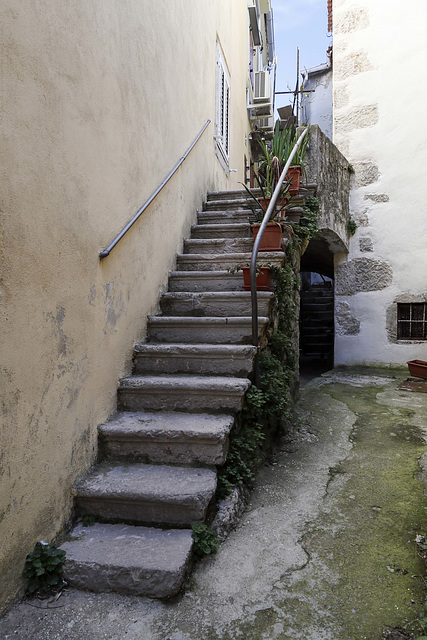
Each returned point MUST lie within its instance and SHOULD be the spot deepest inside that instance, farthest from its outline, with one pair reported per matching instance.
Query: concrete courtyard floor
(324, 551)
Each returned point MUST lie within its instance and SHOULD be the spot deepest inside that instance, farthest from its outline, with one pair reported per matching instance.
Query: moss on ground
(362, 552)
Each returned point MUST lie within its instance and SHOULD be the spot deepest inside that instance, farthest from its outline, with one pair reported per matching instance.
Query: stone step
(317, 300)
(318, 323)
(240, 194)
(137, 561)
(317, 295)
(236, 194)
(188, 330)
(218, 245)
(222, 262)
(146, 493)
(316, 334)
(213, 303)
(205, 281)
(231, 230)
(214, 394)
(224, 217)
(199, 359)
(244, 201)
(314, 308)
(318, 341)
(167, 437)
(221, 205)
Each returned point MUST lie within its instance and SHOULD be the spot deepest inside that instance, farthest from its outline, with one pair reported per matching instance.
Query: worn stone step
(241, 194)
(224, 217)
(222, 262)
(167, 437)
(317, 295)
(317, 312)
(318, 323)
(200, 359)
(231, 230)
(216, 394)
(219, 245)
(138, 561)
(246, 202)
(205, 281)
(146, 493)
(236, 194)
(317, 341)
(213, 303)
(230, 204)
(187, 329)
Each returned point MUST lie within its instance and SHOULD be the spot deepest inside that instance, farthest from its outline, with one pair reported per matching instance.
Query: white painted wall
(317, 106)
(379, 125)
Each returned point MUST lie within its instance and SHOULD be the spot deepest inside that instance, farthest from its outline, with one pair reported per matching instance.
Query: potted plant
(272, 237)
(281, 147)
(262, 279)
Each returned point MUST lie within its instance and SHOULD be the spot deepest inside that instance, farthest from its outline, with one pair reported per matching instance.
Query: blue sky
(302, 23)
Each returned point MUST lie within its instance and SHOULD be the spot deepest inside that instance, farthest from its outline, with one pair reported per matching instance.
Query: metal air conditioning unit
(265, 6)
(262, 87)
(266, 124)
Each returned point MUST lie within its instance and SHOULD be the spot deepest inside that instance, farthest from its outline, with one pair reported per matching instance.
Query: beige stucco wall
(379, 114)
(100, 100)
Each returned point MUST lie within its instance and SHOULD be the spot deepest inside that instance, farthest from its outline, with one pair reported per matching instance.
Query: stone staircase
(175, 413)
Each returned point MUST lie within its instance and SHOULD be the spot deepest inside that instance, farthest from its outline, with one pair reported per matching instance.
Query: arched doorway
(316, 309)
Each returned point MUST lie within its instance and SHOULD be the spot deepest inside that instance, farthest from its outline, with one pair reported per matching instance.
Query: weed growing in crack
(205, 539)
(43, 568)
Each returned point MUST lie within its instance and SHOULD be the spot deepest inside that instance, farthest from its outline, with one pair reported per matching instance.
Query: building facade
(378, 114)
(100, 102)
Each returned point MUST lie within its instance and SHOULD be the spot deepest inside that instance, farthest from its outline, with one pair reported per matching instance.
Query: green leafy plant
(255, 202)
(266, 407)
(351, 227)
(423, 622)
(205, 539)
(239, 267)
(281, 147)
(84, 517)
(43, 568)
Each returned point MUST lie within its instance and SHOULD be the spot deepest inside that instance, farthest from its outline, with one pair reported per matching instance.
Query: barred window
(412, 321)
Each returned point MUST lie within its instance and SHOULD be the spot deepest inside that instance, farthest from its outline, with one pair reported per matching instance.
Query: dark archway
(316, 310)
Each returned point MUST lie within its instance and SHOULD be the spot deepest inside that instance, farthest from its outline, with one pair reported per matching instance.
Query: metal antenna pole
(297, 111)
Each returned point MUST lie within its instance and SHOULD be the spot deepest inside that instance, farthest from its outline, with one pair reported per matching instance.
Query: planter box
(294, 176)
(418, 368)
(263, 279)
(272, 238)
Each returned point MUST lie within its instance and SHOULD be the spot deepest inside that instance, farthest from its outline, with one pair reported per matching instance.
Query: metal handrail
(270, 209)
(106, 252)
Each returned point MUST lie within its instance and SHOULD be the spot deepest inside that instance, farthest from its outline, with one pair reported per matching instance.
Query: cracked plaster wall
(96, 111)
(388, 151)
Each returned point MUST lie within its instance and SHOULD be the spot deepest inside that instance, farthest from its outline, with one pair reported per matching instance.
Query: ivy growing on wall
(267, 408)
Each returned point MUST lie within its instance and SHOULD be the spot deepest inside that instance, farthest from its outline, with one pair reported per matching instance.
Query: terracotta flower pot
(294, 175)
(272, 237)
(264, 202)
(263, 279)
(418, 368)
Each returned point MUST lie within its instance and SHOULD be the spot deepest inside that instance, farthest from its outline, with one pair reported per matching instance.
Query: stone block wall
(377, 127)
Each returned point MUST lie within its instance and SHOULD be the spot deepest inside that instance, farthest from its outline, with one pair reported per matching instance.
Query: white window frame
(222, 109)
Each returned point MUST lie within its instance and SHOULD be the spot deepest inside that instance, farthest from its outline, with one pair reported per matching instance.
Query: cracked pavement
(324, 551)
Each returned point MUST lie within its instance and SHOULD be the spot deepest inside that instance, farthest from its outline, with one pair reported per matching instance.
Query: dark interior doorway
(316, 311)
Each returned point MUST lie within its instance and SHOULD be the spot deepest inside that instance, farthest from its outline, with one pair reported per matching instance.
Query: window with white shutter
(222, 106)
